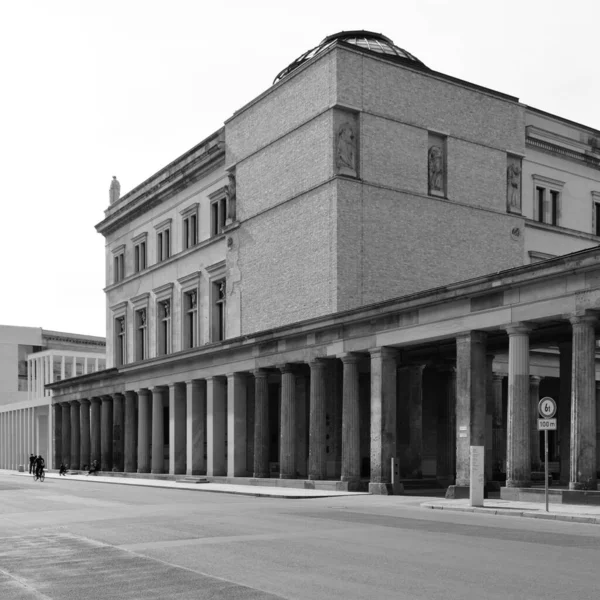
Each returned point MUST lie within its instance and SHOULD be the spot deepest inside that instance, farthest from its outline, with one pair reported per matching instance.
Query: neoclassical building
(369, 261)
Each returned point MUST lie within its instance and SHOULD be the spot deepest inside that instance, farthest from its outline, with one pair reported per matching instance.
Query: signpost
(547, 410)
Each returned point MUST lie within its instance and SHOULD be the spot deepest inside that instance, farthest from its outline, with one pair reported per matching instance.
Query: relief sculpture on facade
(230, 194)
(346, 150)
(513, 187)
(435, 167)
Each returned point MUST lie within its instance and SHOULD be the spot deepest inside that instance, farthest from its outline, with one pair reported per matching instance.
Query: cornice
(164, 189)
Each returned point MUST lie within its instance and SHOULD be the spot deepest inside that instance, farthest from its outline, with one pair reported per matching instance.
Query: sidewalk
(222, 488)
(575, 513)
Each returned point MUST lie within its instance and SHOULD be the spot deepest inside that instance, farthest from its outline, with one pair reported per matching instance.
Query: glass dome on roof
(368, 40)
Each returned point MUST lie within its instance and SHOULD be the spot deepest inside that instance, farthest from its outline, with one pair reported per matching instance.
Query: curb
(124, 481)
(516, 513)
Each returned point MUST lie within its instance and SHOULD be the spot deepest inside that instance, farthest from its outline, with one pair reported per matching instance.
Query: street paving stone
(68, 566)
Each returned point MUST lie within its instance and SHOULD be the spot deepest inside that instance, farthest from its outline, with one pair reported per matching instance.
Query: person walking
(31, 463)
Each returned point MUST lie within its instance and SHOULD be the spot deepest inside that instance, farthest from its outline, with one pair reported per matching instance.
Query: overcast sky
(95, 89)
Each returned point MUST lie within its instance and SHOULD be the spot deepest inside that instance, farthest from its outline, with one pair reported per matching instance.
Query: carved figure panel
(435, 169)
(230, 194)
(513, 186)
(346, 150)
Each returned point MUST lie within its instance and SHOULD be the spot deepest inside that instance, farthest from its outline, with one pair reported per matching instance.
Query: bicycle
(41, 476)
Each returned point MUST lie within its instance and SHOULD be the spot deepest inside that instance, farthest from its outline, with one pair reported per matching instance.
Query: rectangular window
(140, 257)
(218, 215)
(218, 312)
(554, 207)
(191, 319)
(541, 203)
(190, 231)
(141, 339)
(119, 267)
(164, 327)
(163, 245)
(120, 341)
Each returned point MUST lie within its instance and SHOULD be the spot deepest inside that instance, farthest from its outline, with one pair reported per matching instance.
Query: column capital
(95, 400)
(350, 358)
(260, 373)
(535, 379)
(65, 404)
(498, 376)
(383, 352)
(84, 402)
(583, 319)
(475, 336)
(129, 393)
(74, 403)
(238, 374)
(286, 368)
(143, 392)
(518, 329)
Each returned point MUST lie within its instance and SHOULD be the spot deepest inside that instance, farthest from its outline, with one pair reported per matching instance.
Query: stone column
(564, 410)
(597, 426)
(489, 416)
(287, 446)
(350, 419)
(317, 407)
(66, 434)
(177, 426)
(106, 434)
(446, 438)
(518, 447)
(84, 419)
(236, 424)
(195, 417)
(56, 434)
(131, 433)
(261, 423)
(158, 432)
(415, 417)
(144, 431)
(383, 418)
(499, 443)
(470, 401)
(583, 408)
(534, 398)
(118, 433)
(216, 402)
(95, 429)
(75, 436)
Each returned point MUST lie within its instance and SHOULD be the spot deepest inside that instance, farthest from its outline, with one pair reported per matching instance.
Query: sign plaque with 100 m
(547, 409)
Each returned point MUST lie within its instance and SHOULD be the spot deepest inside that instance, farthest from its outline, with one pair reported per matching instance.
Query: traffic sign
(546, 424)
(547, 407)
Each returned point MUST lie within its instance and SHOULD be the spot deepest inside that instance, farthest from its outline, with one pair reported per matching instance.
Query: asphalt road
(85, 541)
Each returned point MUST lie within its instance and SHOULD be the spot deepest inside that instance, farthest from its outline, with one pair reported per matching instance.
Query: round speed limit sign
(547, 407)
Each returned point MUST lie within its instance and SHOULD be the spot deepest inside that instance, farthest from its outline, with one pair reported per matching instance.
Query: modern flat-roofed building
(32, 357)
(345, 273)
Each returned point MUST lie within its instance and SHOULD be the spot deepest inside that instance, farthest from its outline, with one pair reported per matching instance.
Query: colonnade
(17, 438)
(126, 431)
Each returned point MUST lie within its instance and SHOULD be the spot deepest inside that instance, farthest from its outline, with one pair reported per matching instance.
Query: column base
(265, 475)
(520, 483)
(462, 491)
(578, 485)
(349, 478)
(158, 471)
(143, 470)
(381, 489)
(315, 477)
(287, 476)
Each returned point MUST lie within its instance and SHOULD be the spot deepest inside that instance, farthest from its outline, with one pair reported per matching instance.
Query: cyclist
(39, 466)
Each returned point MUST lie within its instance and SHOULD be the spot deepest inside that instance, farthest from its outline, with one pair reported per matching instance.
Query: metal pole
(546, 464)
